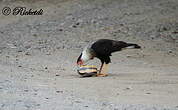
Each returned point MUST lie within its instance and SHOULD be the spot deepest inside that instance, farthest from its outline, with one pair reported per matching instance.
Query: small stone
(37, 104)
(57, 75)
(74, 26)
(94, 22)
(60, 29)
(28, 46)
(27, 53)
(175, 32)
(128, 56)
(19, 66)
(2, 105)
(77, 23)
(121, 24)
(170, 51)
(19, 101)
(59, 91)
(35, 35)
(78, 101)
(19, 51)
(148, 93)
(46, 67)
(127, 88)
(26, 90)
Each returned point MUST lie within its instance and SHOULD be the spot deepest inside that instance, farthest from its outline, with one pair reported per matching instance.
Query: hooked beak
(80, 62)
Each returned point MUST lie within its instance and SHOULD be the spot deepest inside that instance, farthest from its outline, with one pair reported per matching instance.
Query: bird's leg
(101, 67)
(103, 70)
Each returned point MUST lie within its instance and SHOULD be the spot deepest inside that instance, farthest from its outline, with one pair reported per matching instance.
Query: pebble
(57, 75)
(74, 26)
(26, 90)
(27, 53)
(59, 91)
(60, 29)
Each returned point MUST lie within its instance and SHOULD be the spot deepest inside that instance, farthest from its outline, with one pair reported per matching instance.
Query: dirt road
(38, 55)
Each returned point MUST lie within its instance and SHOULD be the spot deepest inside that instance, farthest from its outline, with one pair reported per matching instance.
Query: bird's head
(85, 56)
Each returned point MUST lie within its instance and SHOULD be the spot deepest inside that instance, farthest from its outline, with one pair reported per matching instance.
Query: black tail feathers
(130, 45)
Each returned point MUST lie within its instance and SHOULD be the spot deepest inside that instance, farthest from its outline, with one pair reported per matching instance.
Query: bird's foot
(102, 75)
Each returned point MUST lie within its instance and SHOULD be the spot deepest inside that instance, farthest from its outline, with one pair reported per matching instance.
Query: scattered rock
(27, 53)
(19, 51)
(35, 35)
(57, 74)
(59, 91)
(74, 26)
(25, 90)
(19, 100)
(175, 32)
(127, 88)
(60, 29)
(162, 28)
(78, 101)
(38, 104)
(77, 23)
(170, 51)
(2, 105)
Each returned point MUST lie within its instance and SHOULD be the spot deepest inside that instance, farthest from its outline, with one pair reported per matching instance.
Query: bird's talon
(101, 75)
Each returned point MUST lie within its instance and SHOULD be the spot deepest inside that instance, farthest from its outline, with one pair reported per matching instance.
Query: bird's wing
(102, 47)
(106, 47)
(118, 45)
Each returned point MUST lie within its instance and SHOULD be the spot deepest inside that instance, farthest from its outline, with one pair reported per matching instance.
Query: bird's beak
(80, 62)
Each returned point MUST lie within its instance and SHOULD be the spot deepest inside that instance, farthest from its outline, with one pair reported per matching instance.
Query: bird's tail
(133, 46)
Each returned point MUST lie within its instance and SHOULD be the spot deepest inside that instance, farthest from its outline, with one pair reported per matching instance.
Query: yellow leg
(103, 70)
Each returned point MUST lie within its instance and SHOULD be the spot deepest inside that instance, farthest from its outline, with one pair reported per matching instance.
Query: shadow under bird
(102, 49)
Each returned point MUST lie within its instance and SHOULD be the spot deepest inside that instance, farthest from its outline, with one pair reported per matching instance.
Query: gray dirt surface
(38, 55)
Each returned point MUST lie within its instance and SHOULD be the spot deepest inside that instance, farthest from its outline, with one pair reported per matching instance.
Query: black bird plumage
(102, 49)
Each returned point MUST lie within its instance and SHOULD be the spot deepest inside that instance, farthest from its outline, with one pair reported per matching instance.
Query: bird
(103, 49)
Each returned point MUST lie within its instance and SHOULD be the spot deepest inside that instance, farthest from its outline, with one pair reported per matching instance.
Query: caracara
(102, 49)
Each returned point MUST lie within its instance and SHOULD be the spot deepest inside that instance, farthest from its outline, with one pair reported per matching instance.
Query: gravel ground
(38, 55)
